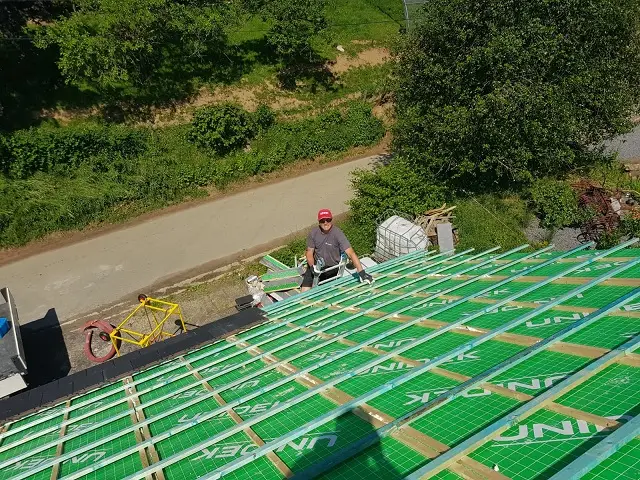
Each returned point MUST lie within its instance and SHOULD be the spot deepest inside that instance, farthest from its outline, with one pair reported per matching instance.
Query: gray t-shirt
(328, 245)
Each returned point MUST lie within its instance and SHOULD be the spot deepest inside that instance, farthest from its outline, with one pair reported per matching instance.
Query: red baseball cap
(324, 213)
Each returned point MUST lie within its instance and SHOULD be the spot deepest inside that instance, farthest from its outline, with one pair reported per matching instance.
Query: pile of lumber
(430, 219)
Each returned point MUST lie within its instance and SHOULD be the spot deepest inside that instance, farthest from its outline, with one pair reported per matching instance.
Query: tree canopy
(295, 22)
(108, 44)
(492, 93)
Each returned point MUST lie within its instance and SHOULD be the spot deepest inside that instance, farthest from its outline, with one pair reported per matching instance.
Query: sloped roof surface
(476, 365)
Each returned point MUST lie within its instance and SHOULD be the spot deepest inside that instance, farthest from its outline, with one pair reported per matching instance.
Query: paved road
(79, 278)
(628, 146)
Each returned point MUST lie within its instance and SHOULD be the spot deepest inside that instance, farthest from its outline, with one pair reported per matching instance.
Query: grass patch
(375, 20)
(487, 221)
(355, 24)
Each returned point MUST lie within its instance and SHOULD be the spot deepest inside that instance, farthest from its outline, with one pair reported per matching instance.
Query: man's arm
(354, 258)
(364, 276)
(309, 254)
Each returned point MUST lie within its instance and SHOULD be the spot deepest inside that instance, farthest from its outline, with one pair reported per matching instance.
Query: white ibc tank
(398, 236)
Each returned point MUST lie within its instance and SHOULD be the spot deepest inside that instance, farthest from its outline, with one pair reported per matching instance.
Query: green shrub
(221, 128)
(555, 202)
(137, 170)
(263, 118)
(61, 150)
(630, 226)
(328, 133)
(393, 187)
(362, 237)
(294, 249)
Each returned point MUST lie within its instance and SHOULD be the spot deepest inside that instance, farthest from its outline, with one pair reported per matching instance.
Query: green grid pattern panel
(463, 416)
(540, 372)
(322, 442)
(614, 392)
(608, 332)
(622, 465)
(173, 398)
(28, 465)
(215, 456)
(498, 293)
(482, 358)
(388, 459)
(123, 467)
(31, 438)
(539, 446)
(498, 316)
(412, 394)
(548, 323)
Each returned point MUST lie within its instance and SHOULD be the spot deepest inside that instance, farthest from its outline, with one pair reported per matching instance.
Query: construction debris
(608, 208)
(445, 237)
(398, 233)
(430, 220)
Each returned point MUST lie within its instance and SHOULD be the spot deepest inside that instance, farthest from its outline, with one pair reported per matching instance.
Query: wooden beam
(255, 438)
(55, 471)
(632, 360)
(148, 455)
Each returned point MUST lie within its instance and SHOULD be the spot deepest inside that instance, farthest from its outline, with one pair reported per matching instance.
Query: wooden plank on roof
(55, 471)
(255, 438)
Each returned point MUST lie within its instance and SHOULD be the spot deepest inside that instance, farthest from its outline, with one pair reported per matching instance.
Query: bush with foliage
(556, 203)
(221, 128)
(497, 93)
(107, 186)
(294, 24)
(396, 186)
(263, 118)
(62, 150)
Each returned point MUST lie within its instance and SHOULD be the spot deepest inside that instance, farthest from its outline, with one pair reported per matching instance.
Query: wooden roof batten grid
(283, 321)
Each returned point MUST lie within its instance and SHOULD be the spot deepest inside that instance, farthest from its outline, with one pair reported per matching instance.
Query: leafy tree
(111, 44)
(494, 93)
(295, 23)
(26, 74)
(396, 186)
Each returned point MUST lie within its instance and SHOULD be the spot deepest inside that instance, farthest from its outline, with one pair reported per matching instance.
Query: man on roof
(325, 246)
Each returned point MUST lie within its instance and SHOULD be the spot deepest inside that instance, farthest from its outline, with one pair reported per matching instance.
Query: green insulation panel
(263, 405)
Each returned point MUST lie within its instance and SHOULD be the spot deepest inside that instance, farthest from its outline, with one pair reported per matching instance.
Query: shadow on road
(45, 350)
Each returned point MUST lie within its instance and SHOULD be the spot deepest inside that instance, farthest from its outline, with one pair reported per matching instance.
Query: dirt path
(79, 278)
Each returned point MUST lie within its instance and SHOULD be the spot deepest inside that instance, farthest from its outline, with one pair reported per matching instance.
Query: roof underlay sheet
(474, 365)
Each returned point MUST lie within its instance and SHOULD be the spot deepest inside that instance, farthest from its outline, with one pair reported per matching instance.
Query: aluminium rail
(460, 389)
(526, 410)
(342, 378)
